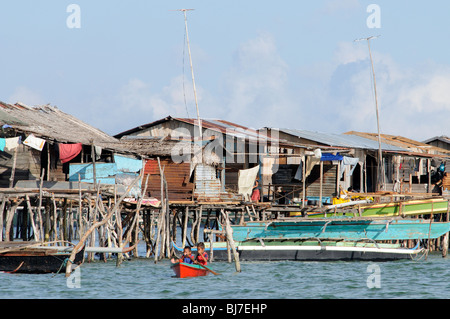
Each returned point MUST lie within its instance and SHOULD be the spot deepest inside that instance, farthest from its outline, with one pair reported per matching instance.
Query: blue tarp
(331, 157)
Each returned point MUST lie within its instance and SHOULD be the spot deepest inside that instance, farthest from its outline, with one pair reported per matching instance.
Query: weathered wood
(111, 212)
(13, 169)
(230, 240)
(186, 218)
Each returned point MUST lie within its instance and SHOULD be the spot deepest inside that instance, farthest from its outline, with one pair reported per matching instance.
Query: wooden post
(321, 183)
(2, 210)
(13, 169)
(186, 218)
(429, 175)
(9, 219)
(158, 233)
(445, 240)
(48, 161)
(119, 232)
(338, 177)
(303, 181)
(361, 177)
(111, 213)
(93, 163)
(30, 212)
(197, 228)
(38, 213)
(230, 240)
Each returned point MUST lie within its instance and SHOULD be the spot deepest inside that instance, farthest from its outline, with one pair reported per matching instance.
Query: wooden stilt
(230, 240)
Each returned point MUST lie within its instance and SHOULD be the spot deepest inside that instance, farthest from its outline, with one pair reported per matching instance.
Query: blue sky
(259, 63)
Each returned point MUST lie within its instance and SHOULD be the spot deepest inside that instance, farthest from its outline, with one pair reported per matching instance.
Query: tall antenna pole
(380, 183)
(192, 70)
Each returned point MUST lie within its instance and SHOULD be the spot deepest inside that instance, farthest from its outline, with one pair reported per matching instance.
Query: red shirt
(202, 261)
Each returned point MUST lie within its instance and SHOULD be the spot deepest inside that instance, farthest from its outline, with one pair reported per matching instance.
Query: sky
(284, 64)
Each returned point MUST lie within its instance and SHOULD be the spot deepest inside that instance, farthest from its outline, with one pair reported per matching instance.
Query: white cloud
(256, 84)
(261, 89)
(412, 102)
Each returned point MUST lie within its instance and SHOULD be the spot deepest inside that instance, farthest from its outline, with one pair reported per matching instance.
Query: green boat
(391, 209)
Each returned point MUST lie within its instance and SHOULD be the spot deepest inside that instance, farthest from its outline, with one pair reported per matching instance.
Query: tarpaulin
(69, 151)
(331, 157)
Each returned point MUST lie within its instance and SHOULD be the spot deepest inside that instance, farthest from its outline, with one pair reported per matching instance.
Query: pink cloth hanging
(68, 152)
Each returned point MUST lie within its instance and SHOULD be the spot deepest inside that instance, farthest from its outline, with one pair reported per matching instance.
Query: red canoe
(183, 270)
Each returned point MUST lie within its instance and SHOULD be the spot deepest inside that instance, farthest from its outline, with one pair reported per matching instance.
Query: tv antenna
(192, 69)
(380, 183)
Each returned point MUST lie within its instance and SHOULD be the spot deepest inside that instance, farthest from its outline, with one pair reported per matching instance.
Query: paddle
(210, 270)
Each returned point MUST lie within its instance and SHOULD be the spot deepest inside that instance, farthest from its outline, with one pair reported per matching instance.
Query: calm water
(142, 278)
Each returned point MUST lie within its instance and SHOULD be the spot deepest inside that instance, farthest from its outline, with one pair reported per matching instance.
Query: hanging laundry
(12, 143)
(98, 152)
(246, 181)
(68, 152)
(34, 142)
(310, 163)
(2, 144)
(299, 173)
(350, 162)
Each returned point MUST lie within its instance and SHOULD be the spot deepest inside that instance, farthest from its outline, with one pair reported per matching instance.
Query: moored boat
(36, 260)
(183, 270)
(341, 229)
(314, 250)
(389, 209)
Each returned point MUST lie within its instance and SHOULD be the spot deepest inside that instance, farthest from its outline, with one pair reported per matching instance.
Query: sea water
(142, 278)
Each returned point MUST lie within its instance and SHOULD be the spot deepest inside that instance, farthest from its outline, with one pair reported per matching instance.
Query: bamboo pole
(186, 218)
(2, 210)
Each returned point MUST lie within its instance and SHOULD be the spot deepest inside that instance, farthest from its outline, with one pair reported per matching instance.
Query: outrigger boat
(329, 239)
(313, 250)
(183, 270)
(341, 229)
(390, 209)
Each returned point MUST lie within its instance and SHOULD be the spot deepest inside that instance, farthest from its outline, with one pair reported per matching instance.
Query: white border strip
(333, 248)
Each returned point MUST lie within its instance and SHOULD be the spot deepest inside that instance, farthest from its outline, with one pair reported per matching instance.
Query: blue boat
(341, 229)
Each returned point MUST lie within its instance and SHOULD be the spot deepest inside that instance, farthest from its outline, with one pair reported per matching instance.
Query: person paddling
(187, 257)
(202, 256)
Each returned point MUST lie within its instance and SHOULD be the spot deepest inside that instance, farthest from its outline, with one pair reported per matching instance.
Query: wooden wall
(177, 176)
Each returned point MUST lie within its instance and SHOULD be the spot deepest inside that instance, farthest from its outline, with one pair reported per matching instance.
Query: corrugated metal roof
(341, 140)
(230, 129)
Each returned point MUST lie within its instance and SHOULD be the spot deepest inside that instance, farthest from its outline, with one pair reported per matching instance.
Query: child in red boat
(202, 256)
(187, 257)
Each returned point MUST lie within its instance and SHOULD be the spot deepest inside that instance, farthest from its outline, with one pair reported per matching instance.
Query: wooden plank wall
(177, 176)
(285, 176)
(24, 158)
